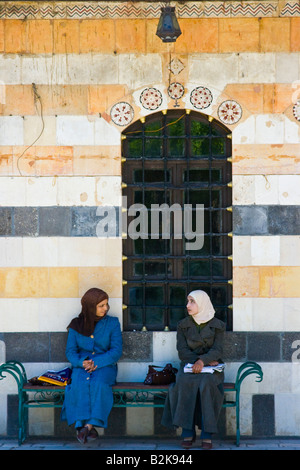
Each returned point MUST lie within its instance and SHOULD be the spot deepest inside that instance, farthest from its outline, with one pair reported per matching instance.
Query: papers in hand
(206, 369)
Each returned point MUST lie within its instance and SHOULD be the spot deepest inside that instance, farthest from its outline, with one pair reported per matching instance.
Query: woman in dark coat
(196, 398)
(93, 348)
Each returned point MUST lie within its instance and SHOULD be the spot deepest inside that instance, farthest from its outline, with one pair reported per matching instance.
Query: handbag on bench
(160, 377)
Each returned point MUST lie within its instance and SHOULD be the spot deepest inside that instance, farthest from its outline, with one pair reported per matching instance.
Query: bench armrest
(248, 368)
(16, 370)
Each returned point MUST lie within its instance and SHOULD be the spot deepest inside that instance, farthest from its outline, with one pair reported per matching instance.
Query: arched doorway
(183, 158)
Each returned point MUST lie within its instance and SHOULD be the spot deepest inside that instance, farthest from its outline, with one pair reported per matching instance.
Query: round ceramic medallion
(151, 98)
(230, 112)
(201, 97)
(296, 110)
(122, 113)
(176, 91)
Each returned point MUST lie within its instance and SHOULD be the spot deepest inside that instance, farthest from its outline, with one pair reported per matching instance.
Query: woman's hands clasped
(89, 365)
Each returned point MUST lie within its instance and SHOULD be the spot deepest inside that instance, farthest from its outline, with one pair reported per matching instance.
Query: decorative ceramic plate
(201, 97)
(122, 113)
(230, 112)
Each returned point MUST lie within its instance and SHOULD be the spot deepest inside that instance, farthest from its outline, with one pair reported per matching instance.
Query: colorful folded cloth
(61, 377)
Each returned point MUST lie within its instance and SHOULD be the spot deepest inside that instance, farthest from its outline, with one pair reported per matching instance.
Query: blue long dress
(89, 398)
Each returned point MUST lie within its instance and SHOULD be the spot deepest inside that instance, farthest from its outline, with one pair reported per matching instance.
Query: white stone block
(291, 131)
(289, 250)
(164, 347)
(265, 251)
(217, 70)
(139, 421)
(41, 422)
(244, 133)
(132, 371)
(268, 314)
(55, 314)
(11, 251)
(108, 191)
(10, 66)
(287, 67)
(18, 315)
(40, 251)
(81, 251)
(12, 191)
(137, 70)
(266, 189)
(106, 134)
(76, 191)
(289, 189)
(241, 248)
(40, 191)
(74, 130)
(43, 130)
(103, 68)
(243, 189)
(242, 314)
(256, 67)
(11, 130)
(270, 129)
(287, 414)
(292, 317)
(36, 69)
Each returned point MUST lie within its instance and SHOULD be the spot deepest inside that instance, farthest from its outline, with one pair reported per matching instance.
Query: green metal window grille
(177, 157)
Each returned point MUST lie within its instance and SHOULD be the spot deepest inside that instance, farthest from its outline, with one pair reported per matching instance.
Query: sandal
(207, 445)
(82, 435)
(92, 435)
(188, 442)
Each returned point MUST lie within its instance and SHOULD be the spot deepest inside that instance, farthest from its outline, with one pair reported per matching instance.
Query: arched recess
(175, 157)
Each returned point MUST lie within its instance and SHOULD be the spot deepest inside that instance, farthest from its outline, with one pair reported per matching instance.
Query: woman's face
(191, 306)
(102, 308)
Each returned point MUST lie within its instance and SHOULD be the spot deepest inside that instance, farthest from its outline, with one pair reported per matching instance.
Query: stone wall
(64, 67)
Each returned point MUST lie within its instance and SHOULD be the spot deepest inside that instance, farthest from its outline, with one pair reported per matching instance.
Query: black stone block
(137, 346)
(55, 221)
(5, 221)
(265, 347)
(250, 220)
(263, 416)
(26, 221)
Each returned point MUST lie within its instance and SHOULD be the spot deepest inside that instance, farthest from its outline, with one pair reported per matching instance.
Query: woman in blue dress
(93, 348)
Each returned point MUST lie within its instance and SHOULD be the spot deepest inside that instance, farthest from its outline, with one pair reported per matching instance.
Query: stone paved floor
(148, 444)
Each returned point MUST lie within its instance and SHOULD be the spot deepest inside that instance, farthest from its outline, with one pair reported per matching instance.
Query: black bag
(161, 377)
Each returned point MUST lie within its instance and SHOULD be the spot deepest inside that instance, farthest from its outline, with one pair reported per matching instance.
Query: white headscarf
(205, 308)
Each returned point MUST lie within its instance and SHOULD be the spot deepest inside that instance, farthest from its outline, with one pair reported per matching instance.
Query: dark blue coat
(89, 398)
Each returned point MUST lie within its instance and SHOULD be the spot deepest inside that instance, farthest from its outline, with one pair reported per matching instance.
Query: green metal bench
(126, 394)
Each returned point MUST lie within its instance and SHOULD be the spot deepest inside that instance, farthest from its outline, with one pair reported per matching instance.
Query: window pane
(199, 147)
(152, 268)
(153, 148)
(176, 148)
(201, 176)
(177, 295)
(199, 128)
(135, 316)
(135, 148)
(154, 295)
(135, 296)
(151, 176)
(154, 128)
(218, 146)
(175, 128)
(176, 314)
(152, 247)
(155, 316)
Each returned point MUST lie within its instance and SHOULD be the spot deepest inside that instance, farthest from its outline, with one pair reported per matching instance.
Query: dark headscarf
(85, 322)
